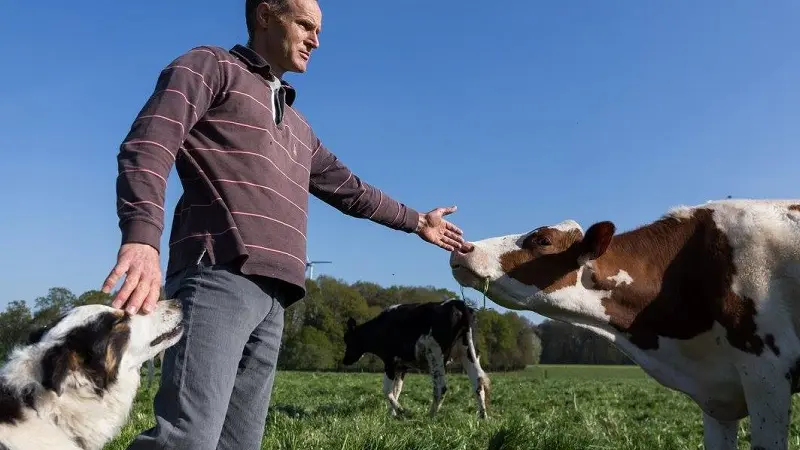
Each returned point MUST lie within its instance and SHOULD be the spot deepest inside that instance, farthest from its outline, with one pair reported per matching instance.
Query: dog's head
(91, 346)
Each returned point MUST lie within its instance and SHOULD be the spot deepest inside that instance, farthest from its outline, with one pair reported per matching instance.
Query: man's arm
(184, 91)
(334, 183)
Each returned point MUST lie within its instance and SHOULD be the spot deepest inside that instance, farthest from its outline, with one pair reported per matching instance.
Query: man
(247, 161)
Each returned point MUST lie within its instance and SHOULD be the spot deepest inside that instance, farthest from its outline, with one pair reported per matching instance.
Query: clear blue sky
(522, 114)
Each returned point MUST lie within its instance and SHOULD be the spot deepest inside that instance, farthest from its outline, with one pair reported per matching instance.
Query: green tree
(310, 350)
(50, 307)
(15, 325)
(94, 297)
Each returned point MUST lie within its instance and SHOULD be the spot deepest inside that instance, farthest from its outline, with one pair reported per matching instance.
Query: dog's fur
(71, 387)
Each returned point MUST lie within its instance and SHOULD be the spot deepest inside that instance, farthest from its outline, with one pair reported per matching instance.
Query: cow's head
(354, 348)
(523, 270)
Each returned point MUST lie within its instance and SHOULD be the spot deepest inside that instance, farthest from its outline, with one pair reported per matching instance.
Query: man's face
(292, 36)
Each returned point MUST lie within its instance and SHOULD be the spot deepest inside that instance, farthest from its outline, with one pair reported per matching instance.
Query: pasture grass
(543, 407)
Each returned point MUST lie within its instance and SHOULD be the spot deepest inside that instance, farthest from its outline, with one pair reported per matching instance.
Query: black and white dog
(421, 336)
(73, 385)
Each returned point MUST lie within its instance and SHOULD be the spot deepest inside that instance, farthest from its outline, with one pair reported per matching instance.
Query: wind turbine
(310, 266)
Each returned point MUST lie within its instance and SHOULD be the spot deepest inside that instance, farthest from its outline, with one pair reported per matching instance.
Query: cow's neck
(612, 291)
(609, 284)
(630, 274)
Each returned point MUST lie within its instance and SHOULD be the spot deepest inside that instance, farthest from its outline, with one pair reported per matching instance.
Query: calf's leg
(478, 378)
(719, 434)
(397, 387)
(389, 382)
(435, 359)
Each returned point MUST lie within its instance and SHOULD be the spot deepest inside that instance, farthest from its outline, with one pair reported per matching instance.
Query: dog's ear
(56, 365)
(36, 335)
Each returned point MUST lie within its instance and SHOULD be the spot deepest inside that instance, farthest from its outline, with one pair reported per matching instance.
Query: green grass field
(544, 407)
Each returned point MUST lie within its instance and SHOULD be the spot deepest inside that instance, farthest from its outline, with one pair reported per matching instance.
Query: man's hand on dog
(140, 265)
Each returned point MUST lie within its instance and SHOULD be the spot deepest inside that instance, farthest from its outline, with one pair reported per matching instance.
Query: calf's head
(354, 344)
(91, 347)
(524, 271)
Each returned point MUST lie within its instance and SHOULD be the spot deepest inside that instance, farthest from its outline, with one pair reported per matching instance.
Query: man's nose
(314, 41)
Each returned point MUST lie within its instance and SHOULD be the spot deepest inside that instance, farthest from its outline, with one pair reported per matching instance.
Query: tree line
(313, 337)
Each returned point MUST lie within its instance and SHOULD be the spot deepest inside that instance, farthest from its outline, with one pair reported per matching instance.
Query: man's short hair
(275, 6)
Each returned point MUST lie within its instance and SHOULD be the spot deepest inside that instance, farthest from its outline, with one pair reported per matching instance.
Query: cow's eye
(536, 240)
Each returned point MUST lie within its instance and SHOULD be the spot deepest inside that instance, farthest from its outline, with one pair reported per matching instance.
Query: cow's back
(764, 233)
(764, 236)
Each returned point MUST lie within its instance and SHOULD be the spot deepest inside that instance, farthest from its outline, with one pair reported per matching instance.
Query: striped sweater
(246, 168)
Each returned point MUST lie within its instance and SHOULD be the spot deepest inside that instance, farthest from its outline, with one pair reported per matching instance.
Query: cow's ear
(597, 239)
(351, 323)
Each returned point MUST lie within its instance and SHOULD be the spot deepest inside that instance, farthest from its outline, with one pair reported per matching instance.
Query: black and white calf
(420, 336)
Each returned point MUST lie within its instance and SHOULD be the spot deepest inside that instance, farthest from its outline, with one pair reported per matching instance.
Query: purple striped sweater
(246, 179)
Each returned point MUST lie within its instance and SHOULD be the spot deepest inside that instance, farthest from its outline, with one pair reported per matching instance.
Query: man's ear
(263, 14)
(597, 239)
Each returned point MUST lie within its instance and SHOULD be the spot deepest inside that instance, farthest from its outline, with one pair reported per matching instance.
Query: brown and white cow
(706, 300)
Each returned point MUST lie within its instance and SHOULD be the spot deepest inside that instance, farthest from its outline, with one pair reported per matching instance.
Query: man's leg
(247, 411)
(221, 310)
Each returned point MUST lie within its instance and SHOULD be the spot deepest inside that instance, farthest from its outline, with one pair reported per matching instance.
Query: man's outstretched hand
(139, 263)
(435, 229)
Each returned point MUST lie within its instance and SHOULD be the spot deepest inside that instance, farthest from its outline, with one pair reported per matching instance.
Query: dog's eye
(543, 241)
(121, 318)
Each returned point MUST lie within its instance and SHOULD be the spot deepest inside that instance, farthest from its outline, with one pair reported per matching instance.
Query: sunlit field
(544, 407)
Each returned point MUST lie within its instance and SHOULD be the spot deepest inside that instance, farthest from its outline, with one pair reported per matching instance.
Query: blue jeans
(217, 380)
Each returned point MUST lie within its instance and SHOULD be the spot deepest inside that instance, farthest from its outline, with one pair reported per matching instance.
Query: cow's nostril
(466, 248)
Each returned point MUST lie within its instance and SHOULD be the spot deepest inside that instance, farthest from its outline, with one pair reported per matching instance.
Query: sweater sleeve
(333, 183)
(184, 91)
